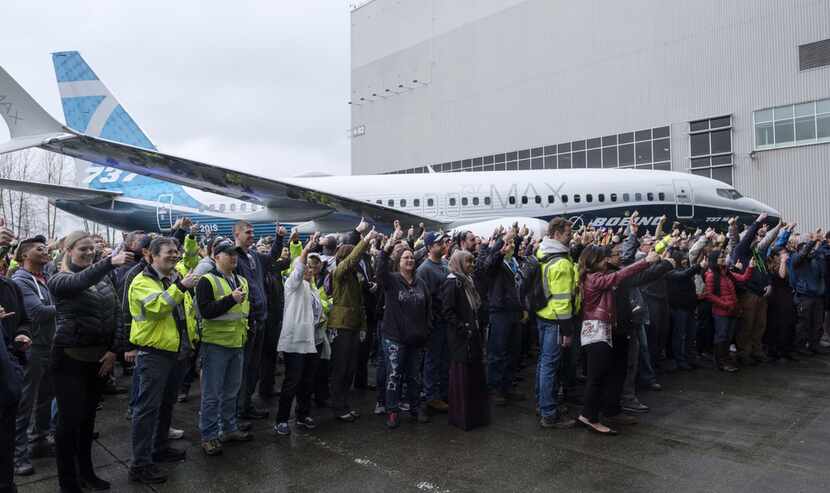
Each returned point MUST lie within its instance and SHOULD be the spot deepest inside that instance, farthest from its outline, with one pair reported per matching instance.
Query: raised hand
(122, 258)
(281, 232)
(363, 226)
(295, 235)
(6, 235)
(762, 217)
(190, 280)
(652, 256)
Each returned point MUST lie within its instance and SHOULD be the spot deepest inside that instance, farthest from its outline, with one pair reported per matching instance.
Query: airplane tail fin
(89, 107)
(29, 124)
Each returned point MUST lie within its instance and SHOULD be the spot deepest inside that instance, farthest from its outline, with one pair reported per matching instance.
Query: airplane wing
(58, 192)
(278, 194)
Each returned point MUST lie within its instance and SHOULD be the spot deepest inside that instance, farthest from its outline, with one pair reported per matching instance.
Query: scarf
(456, 266)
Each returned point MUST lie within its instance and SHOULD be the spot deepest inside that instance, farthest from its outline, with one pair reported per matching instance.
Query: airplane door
(452, 205)
(164, 212)
(430, 204)
(684, 199)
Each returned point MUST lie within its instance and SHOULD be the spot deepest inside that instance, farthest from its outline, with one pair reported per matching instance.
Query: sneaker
(149, 474)
(182, 397)
(169, 454)
(635, 407)
(307, 423)
(174, 433)
(212, 447)
(380, 409)
(355, 413)
(347, 418)
(94, 483)
(438, 405)
(656, 387)
(236, 436)
(24, 469)
(404, 407)
(254, 413)
(556, 422)
(282, 429)
(392, 420)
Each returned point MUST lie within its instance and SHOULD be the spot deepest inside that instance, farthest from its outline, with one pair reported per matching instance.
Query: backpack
(533, 289)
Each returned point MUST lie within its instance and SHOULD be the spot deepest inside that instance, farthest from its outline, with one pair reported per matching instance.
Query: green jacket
(562, 278)
(347, 310)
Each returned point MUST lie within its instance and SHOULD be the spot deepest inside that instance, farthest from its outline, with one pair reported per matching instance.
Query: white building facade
(735, 90)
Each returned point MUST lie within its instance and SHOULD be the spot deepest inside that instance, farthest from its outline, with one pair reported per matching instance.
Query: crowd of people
(447, 320)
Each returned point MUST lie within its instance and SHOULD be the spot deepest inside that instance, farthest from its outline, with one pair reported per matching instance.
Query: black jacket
(252, 266)
(407, 316)
(11, 299)
(88, 310)
(502, 290)
(463, 334)
(626, 320)
(681, 287)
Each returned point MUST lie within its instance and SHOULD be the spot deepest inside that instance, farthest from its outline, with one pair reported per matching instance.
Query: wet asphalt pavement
(765, 429)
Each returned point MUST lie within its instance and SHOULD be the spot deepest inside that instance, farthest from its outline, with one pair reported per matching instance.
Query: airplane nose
(759, 207)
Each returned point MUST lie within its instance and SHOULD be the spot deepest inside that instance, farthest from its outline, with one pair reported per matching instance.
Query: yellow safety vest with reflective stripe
(230, 329)
(151, 307)
(560, 277)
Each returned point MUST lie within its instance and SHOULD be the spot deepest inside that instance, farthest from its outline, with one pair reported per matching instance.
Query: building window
(792, 125)
(711, 148)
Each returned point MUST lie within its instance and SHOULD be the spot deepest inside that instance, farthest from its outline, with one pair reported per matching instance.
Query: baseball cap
(432, 238)
(225, 245)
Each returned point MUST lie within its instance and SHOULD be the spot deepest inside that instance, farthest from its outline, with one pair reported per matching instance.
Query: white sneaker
(174, 434)
(380, 409)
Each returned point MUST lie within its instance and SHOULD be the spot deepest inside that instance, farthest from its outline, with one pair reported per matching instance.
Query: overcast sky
(253, 85)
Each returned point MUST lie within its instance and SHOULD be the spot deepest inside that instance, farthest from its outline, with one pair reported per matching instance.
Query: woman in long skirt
(469, 402)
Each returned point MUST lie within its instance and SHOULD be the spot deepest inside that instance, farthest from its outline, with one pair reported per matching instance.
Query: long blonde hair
(69, 242)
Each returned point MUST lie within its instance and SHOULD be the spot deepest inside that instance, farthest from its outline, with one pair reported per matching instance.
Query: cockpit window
(729, 193)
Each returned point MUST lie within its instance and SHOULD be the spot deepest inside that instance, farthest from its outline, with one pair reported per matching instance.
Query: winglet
(21, 112)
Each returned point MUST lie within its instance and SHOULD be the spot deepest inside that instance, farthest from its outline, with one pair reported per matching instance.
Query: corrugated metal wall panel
(540, 72)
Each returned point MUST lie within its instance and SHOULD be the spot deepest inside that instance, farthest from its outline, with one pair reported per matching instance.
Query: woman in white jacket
(302, 339)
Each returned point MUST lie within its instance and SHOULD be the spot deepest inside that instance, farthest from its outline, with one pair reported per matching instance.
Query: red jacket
(598, 292)
(725, 304)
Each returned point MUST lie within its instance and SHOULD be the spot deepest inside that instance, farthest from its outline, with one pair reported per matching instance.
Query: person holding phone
(222, 302)
(88, 334)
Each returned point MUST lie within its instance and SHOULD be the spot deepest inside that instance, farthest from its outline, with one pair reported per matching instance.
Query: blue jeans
(403, 364)
(380, 371)
(547, 369)
(37, 395)
(724, 329)
(437, 364)
(645, 370)
(221, 380)
(501, 338)
(160, 376)
(683, 332)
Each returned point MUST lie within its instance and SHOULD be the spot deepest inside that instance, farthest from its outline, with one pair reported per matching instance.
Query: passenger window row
(537, 199)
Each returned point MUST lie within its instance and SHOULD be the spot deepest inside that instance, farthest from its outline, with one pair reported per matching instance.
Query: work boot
(722, 358)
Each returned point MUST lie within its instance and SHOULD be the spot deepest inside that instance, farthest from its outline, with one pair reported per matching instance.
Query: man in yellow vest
(159, 332)
(554, 321)
(222, 302)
